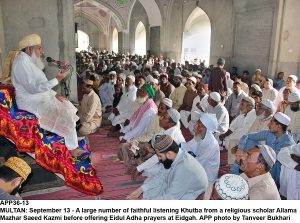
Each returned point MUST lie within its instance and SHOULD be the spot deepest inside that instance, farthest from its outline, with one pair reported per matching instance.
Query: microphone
(60, 64)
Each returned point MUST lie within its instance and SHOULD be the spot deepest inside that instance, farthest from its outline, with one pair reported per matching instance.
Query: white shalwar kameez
(34, 94)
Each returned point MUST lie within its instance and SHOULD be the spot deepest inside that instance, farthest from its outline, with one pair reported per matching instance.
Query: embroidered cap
(19, 166)
(162, 142)
(232, 187)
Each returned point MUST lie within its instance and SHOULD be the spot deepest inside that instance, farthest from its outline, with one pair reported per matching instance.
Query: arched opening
(196, 37)
(83, 41)
(115, 42)
(140, 39)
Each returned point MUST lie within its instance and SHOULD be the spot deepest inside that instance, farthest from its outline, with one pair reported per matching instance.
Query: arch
(140, 39)
(196, 39)
(115, 41)
(152, 10)
(83, 41)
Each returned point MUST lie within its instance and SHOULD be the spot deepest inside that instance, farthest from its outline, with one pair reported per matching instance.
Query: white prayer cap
(258, 70)
(294, 97)
(193, 79)
(282, 118)
(195, 74)
(30, 40)
(177, 71)
(268, 153)
(270, 81)
(156, 73)
(174, 114)
(294, 77)
(209, 121)
(227, 74)
(149, 78)
(154, 80)
(122, 76)
(268, 103)
(131, 77)
(168, 102)
(256, 87)
(249, 100)
(112, 72)
(232, 187)
(215, 96)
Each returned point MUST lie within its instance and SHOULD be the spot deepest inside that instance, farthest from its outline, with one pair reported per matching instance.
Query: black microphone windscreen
(49, 59)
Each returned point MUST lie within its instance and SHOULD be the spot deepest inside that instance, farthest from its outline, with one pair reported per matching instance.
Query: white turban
(30, 40)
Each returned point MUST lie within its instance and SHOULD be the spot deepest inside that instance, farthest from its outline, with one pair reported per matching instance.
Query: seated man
(264, 113)
(189, 96)
(204, 147)
(159, 95)
(178, 94)
(12, 174)
(89, 111)
(289, 157)
(34, 94)
(293, 111)
(123, 111)
(256, 164)
(142, 117)
(276, 137)
(239, 126)
(228, 187)
(182, 178)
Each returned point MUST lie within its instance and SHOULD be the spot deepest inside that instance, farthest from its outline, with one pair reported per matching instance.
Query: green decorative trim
(120, 3)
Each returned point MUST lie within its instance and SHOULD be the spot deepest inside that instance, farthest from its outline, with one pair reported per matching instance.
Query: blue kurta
(251, 140)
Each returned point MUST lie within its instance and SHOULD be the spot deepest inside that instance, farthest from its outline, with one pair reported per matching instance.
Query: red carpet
(117, 185)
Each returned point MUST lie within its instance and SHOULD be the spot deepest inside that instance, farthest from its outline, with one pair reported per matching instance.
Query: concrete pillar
(123, 42)
(155, 40)
(53, 20)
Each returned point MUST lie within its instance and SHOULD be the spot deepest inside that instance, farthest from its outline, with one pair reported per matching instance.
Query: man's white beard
(37, 61)
(198, 137)
(141, 100)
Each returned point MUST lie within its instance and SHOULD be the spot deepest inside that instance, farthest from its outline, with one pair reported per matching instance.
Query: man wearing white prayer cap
(293, 111)
(159, 95)
(124, 109)
(256, 164)
(204, 146)
(291, 85)
(264, 113)
(168, 102)
(276, 137)
(216, 107)
(228, 187)
(268, 91)
(239, 126)
(34, 93)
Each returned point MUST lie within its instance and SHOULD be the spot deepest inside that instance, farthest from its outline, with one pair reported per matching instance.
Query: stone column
(155, 40)
(123, 42)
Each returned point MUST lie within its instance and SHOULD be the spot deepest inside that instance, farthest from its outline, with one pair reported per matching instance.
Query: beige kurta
(90, 113)
(177, 96)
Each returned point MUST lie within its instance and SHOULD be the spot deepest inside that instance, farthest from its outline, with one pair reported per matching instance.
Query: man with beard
(123, 111)
(204, 147)
(264, 113)
(293, 111)
(232, 104)
(179, 92)
(165, 86)
(159, 95)
(12, 174)
(34, 93)
(143, 116)
(136, 151)
(182, 178)
(239, 126)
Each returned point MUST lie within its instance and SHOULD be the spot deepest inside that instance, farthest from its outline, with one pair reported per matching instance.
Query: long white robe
(289, 177)
(34, 94)
(207, 153)
(294, 126)
(185, 180)
(125, 106)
